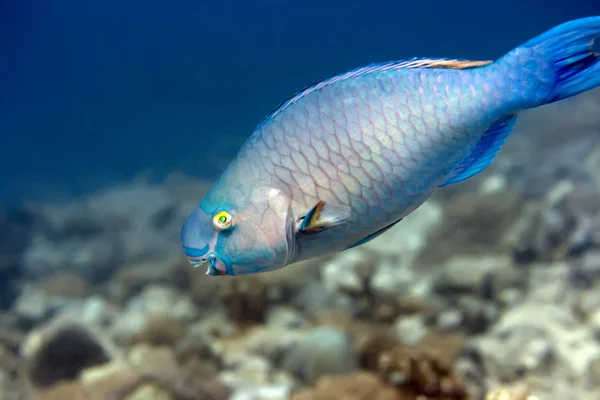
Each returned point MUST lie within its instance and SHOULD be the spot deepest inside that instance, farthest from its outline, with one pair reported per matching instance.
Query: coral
(425, 369)
(421, 372)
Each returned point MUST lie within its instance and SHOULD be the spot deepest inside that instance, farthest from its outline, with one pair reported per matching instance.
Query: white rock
(393, 278)
(163, 299)
(243, 371)
(340, 272)
(273, 392)
(409, 236)
(285, 317)
(410, 330)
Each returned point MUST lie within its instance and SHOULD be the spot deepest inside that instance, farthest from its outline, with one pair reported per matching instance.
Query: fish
(344, 160)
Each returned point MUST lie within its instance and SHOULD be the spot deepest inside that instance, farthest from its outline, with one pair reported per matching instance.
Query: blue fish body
(344, 160)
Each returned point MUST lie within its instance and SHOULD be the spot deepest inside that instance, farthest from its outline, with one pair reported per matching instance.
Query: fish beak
(212, 265)
(211, 260)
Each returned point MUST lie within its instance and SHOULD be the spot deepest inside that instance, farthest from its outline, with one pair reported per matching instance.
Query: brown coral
(420, 372)
(423, 371)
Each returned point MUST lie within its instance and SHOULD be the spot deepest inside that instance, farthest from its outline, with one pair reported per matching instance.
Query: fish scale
(347, 158)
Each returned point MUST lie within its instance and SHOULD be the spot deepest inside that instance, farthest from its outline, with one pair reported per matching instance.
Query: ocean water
(95, 92)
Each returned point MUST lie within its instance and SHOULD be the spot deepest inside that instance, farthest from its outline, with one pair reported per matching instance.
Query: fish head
(242, 237)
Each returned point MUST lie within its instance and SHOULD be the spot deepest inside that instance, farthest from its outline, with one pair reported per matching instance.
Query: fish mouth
(214, 266)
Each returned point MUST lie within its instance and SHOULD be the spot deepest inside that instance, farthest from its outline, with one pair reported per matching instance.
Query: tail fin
(568, 49)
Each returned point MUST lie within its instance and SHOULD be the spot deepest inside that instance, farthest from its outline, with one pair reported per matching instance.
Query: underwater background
(115, 118)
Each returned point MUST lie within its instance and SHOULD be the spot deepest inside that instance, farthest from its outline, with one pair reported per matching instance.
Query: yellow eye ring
(222, 220)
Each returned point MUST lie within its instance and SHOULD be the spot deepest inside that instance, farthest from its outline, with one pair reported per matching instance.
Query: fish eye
(222, 220)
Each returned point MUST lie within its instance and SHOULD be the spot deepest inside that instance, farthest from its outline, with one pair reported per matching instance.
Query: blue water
(95, 92)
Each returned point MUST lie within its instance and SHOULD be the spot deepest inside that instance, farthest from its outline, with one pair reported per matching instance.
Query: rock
(478, 275)
(158, 299)
(92, 258)
(591, 377)
(410, 329)
(341, 272)
(521, 340)
(271, 392)
(519, 351)
(92, 236)
(406, 239)
(213, 325)
(153, 300)
(465, 230)
(391, 278)
(62, 349)
(272, 343)
(449, 320)
(32, 305)
(247, 371)
(314, 297)
(322, 351)
(149, 392)
(285, 317)
(477, 313)
(17, 227)
(586, 272)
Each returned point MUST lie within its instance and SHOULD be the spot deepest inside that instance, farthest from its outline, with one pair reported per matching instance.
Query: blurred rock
(523, 341)
(474, 225)
(266, 392)
(410, 329)
(92, 236)
(407, 238)
(285, 317)
(92, 258)
(16, 231)
(62, 349)
(158, 299)
(486, 276)
(322, 351)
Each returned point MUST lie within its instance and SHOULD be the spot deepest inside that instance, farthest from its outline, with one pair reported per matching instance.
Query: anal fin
(484, 152)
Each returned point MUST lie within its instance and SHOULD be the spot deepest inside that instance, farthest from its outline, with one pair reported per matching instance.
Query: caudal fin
(568, 50)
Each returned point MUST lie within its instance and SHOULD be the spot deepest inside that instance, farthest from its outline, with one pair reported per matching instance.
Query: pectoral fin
(322, 217)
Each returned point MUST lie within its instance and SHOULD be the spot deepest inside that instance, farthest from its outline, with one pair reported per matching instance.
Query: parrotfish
(347, 158)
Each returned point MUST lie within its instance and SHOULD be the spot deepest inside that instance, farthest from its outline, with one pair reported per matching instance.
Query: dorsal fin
(416, 62)
(484, 152)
